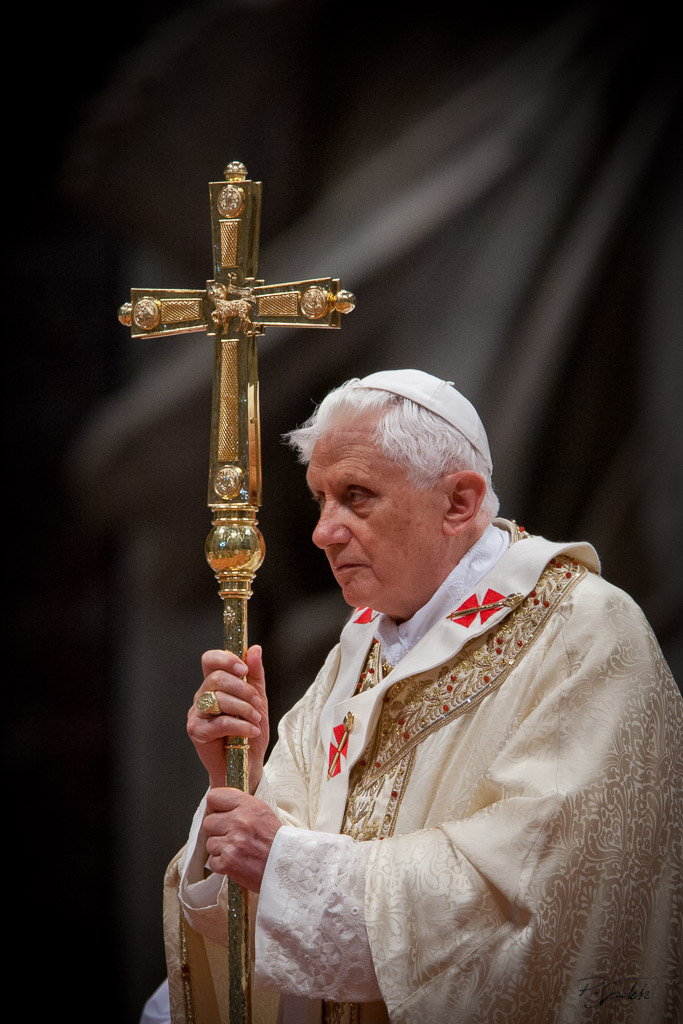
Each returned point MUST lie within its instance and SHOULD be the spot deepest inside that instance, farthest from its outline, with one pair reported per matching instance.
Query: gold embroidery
(361, 818)
(185, 970)
(340, 1013)
(333, 1012)
(511, 601)
(348, 728)
(373, 670)
(416, 706)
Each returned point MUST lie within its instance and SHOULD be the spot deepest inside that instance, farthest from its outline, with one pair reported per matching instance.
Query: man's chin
(349, 595)
(357, 596)
(368, 597)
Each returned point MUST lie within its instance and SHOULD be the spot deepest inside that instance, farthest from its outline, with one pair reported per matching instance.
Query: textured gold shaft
(237, 776)
(234, 550)
(236, 748)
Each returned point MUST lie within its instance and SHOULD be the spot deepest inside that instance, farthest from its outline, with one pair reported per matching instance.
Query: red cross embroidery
(340, 745)
(366, 615)
(473, 602)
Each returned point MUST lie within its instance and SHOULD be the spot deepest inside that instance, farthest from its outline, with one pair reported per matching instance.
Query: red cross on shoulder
(468, 611)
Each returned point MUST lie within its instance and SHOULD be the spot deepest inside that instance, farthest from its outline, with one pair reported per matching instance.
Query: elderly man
(474, 813)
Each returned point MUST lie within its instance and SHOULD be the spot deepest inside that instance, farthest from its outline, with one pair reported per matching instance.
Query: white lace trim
(311, 937)
(196, 891)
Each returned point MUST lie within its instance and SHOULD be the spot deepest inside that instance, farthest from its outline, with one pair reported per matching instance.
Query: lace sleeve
(311, 938)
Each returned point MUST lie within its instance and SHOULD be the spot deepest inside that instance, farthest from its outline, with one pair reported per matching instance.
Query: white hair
(425, 444)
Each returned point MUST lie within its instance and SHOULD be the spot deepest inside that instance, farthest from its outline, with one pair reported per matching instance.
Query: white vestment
(510, 795)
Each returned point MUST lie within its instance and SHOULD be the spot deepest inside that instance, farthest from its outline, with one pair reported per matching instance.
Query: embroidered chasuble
(494, 834)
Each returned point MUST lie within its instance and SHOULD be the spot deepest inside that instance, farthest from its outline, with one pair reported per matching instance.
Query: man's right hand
(241, 693)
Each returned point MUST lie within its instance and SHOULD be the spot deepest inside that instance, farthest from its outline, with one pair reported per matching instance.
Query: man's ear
(464, 492)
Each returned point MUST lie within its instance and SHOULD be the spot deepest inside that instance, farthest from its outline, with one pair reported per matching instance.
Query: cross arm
(157, 312)
(318, 302)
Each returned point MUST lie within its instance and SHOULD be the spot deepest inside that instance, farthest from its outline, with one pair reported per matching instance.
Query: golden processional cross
(235, 308)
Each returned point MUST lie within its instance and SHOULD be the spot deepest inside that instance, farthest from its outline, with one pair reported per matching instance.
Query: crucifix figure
(234, 308)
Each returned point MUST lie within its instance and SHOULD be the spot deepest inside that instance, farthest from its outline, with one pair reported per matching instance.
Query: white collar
(398, 640)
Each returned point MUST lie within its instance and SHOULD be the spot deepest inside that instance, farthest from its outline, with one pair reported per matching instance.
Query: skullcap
(440, 397)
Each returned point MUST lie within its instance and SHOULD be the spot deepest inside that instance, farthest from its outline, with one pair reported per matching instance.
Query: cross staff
(234, 308)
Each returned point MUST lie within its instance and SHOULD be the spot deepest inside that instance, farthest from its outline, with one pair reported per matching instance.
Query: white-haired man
(474, 813)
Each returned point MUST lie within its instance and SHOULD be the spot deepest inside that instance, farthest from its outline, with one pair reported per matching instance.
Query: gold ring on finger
(207, 703)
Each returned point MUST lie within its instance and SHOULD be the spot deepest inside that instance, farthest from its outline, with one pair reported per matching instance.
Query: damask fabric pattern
(554, 894)
(522, 779)
(531, 868)
(335, 957)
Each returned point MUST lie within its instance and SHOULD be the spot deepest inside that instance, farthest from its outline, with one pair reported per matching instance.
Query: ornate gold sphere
(235, 171)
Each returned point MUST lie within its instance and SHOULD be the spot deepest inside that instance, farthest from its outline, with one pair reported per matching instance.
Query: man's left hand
(240, 831)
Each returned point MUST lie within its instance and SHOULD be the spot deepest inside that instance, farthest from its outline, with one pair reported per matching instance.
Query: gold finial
(235, 171)
(126, 314)
(344, 301)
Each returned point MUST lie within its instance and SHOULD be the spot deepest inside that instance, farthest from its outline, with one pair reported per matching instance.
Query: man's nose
(330, 528)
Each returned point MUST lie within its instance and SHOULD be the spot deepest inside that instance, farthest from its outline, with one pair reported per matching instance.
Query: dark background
(502, 190)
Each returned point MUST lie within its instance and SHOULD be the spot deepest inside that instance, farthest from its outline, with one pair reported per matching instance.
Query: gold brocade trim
(372, 673)
(373, 670)
(386, 790)
(185, 970)
(340, 1013)
(416, 706)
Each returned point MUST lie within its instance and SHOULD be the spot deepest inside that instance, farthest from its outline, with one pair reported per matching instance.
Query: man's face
(383, 537)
